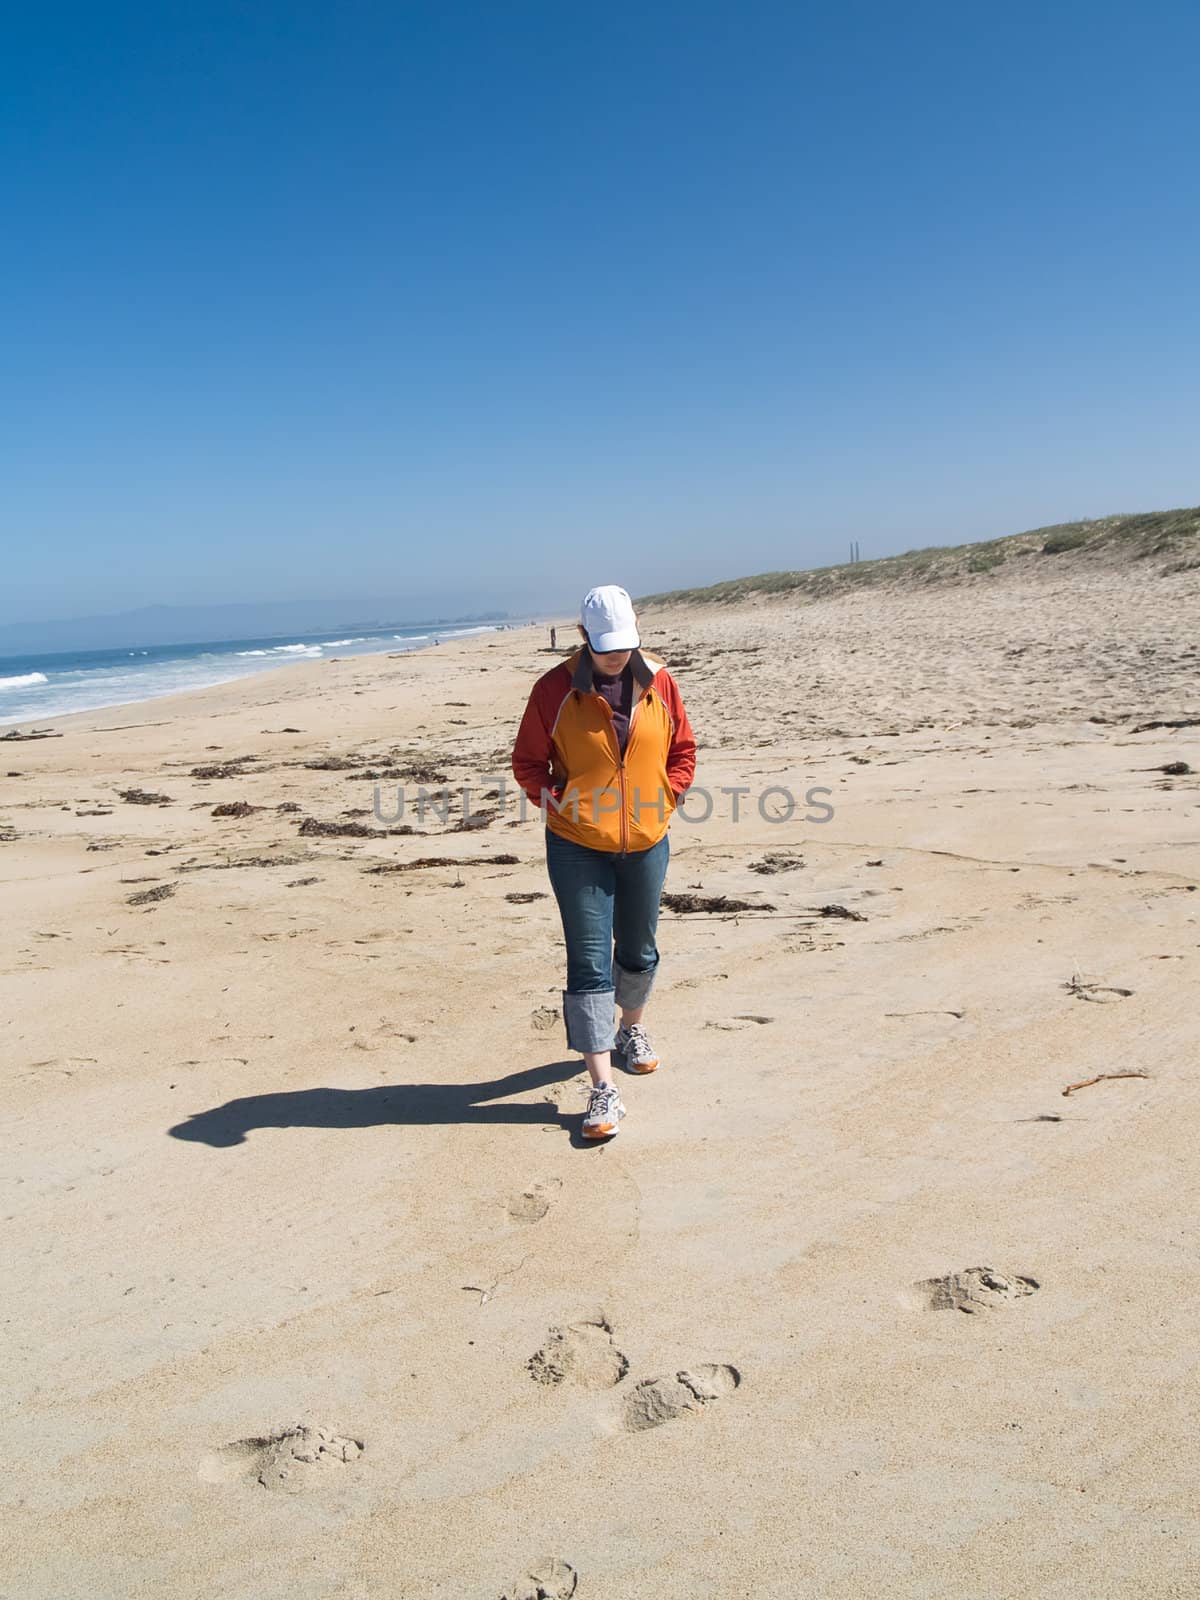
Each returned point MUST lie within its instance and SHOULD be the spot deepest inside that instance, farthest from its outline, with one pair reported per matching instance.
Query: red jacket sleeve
(681, 757)
(532, 755)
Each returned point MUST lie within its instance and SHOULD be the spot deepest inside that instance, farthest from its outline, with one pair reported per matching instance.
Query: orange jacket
(567, 744)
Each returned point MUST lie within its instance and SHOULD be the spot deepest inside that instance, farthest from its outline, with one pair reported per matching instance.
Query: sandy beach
(314, 1291)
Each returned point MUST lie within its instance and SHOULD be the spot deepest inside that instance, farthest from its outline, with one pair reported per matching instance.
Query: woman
(605, 745)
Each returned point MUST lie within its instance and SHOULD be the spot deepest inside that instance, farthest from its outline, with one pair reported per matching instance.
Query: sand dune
(315, 1291)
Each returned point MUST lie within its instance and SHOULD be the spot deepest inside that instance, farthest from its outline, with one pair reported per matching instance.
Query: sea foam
(285, 649)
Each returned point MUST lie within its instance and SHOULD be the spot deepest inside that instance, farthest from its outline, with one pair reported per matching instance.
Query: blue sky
(489, 302)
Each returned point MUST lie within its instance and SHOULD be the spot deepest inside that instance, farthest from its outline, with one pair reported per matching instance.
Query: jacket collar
(581, 676)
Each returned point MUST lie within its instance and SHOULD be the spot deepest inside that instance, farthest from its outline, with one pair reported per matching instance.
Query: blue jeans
(605, 897)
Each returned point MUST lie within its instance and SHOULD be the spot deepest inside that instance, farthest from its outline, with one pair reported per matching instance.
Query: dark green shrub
(1058, 542)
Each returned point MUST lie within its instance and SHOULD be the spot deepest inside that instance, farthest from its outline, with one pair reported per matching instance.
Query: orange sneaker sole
(643, 1066)
(600, 1132)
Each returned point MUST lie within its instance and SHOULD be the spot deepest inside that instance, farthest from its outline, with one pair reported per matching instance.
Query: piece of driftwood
(1086, 1083)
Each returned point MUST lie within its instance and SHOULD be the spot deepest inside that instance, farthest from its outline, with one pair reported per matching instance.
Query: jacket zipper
(621, 759)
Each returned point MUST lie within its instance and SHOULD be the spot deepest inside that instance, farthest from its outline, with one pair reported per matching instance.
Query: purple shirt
(618, 692)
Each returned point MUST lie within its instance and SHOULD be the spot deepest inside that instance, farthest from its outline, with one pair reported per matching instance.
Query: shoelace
(598, 1097)
(638, 1041)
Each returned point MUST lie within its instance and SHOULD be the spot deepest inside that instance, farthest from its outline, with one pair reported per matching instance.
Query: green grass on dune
(1172, 535)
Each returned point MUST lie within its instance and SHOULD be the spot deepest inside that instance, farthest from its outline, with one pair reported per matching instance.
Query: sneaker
(634, 1045)
(604, 1111)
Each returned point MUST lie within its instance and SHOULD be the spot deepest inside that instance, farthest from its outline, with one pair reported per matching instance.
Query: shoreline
(32, 720)
(26, 724)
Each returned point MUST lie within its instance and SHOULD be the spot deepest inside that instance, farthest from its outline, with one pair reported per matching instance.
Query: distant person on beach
(606, 747)
(554, 638)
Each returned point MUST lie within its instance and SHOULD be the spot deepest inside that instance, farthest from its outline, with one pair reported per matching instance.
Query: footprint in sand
(583, 1353)
(290, 1461)
(548, 1579)
(974, 1289)
(532, 1204)
(658, 1400)
(1103, 993)
(740, 1022)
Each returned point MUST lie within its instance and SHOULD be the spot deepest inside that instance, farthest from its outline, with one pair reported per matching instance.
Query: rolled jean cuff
(633, 988)
(590, 1021)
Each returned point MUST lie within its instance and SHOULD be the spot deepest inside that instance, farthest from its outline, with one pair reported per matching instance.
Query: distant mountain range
(158, 625)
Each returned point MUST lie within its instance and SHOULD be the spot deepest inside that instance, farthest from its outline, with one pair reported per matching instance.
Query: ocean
(36, 687)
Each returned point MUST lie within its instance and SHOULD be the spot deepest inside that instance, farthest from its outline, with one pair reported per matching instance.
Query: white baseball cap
(607, 617)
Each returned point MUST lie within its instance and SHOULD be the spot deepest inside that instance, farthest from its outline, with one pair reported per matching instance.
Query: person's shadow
(400, 1104)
